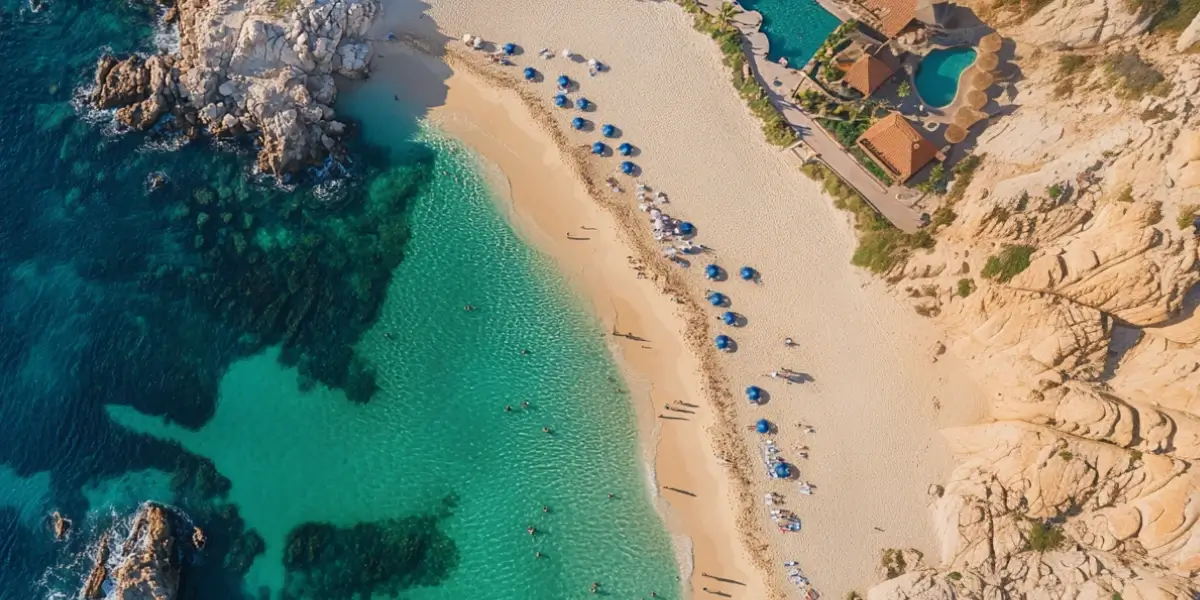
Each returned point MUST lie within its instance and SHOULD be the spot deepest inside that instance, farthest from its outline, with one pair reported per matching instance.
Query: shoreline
(540, 198)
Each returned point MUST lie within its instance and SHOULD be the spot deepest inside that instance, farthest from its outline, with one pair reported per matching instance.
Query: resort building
(898, 147)
(896, 15)
(870, 71)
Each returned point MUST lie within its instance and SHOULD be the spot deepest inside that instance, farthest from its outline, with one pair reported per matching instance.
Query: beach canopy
(976, 99)
(762, 426)
(530, 73)
(625, 149)
(563, 81)
(981, 80)
(716, 298)
(782, 471)
(991, 42)
(965, 117)
(578, 123)
(712, 271)
(687, 228)
(583, 103)
(955, 134)
(746, 273)
(753, 392)
(510, 48)
(987, 61)
(729, 318)
(608, 130)
(723, 342)
(599, 148)
(628, 168)
(560, 100)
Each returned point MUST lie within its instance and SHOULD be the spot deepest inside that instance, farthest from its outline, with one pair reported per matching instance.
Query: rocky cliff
(1065, 277)
(263, 67)
(148, 563)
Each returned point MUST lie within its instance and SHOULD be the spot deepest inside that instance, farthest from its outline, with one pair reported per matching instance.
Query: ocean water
(937, 76)
(292, 368)
(794, 28)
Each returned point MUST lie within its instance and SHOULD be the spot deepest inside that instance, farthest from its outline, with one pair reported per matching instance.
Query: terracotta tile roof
(897, 146)
(894, 15)
(867, 74)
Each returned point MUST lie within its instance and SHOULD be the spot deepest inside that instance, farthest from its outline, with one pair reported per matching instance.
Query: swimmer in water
(545, 430)
(525, 404)
(468, 308)
(537, 554)
(610, 496)
(524, 351)
(531, 530)
(507, 408)
(545, 509)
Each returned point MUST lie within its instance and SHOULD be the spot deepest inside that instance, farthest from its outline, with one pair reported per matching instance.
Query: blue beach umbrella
(560, 100)
(687, 228)
(712, 271)
(762, 426)
(722, 342)
(578, 122)
(608, 130)
(510, 48)
(625, 149)
(584, 103)
(628, 168)
(747, 273)
(782, 471)
(729, 318)
(599, 148)
(716, 298)
(563, 81)
(530, 73)
(753, 393)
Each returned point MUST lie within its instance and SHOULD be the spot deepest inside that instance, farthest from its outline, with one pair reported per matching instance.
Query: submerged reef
(381, 557)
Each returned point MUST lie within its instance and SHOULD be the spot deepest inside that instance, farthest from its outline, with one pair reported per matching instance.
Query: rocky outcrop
(149, 560)
(1066, 278)
(252, 68)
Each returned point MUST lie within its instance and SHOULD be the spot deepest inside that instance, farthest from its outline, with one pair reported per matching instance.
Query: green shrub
(1070, 64)
(1136, 76)
(954, 575)
(904, 90)
(965, 287)
(1135, 455)
(1126, 194)
(943, 216)
(871, 166)
(936, 182)
(1008, 264)
(1044, 537)
(1066, 455)
(1054, 191)
(964, 172)
(846, 132)
(1187, 215)
(1154, 216)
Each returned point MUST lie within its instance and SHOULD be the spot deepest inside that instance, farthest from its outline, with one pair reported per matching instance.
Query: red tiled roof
(899, 148)
(867, 74)
(894, 15)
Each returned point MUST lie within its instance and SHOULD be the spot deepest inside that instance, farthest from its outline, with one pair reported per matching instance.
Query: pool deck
(893, 203)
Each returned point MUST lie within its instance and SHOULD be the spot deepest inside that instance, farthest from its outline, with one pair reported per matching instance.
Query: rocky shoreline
(263, 68)
(149, 561)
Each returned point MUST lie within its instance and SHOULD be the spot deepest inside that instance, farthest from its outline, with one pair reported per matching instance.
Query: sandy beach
(874, 395)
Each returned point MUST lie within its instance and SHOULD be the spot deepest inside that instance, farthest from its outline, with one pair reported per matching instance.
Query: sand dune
(876, 398)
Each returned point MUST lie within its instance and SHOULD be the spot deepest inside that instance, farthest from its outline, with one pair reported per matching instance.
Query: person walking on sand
(788, 342)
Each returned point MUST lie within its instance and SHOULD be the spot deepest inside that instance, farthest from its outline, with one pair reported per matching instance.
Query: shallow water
(200, 345)
(937, 76)
(794, 28)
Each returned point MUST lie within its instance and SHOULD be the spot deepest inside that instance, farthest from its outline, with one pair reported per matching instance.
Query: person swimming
(545, 509)
(468, 308)
(524, 351)
(531, 530)
(525, 404)
(507, 408)
(545, 430)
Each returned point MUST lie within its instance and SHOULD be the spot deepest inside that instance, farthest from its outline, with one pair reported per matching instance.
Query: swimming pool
(795, 28)
(937, 77)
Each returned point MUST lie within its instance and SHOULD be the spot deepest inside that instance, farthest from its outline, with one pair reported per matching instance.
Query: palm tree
(726, 14)
(904, 89)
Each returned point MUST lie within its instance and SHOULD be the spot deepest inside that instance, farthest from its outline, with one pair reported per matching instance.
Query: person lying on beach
(788, 342)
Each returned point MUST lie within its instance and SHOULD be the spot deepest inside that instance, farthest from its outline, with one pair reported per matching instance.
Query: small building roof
(867, 74)
(895, 15)
(897, 146)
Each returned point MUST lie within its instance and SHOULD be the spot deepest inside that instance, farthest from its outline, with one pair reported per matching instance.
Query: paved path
(831, 152)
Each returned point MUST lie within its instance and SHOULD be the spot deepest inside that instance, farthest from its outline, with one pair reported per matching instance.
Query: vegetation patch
(1187, 215)
(1011, 261)
(1126, 194)
(846, 132)
(871, 166)
(964, 172)
(1070, 64)
(936, 182)
(1136, 76)
(965, 287)
(880, 245)
(892, 563)
(1044, 537)
(1054, 191)
(1154, 215)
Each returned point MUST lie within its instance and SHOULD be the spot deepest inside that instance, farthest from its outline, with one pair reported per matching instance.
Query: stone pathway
(885, 200)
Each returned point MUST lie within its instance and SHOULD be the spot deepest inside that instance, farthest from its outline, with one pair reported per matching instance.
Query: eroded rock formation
(255, 67)
(1065, 280)
(149, 560)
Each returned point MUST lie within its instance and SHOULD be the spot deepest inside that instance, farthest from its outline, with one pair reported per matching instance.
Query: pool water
(795, 28)
(937, 77)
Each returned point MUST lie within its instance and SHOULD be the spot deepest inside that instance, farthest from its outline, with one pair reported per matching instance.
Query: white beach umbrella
(566, 53)
(468, 38)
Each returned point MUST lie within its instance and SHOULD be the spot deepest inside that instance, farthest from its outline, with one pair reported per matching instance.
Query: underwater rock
(367, 559)
(243, 551)
(142, 90)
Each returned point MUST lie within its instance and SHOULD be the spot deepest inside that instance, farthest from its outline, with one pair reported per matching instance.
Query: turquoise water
(291, 367)
(937, 76)
(795, 28)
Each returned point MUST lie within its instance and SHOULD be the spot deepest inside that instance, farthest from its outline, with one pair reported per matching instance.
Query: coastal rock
(150, 563)
(93, 586)
(246, 67)
(60, 524)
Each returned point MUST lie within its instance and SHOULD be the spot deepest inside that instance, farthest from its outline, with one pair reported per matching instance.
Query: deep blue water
(111, 294)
